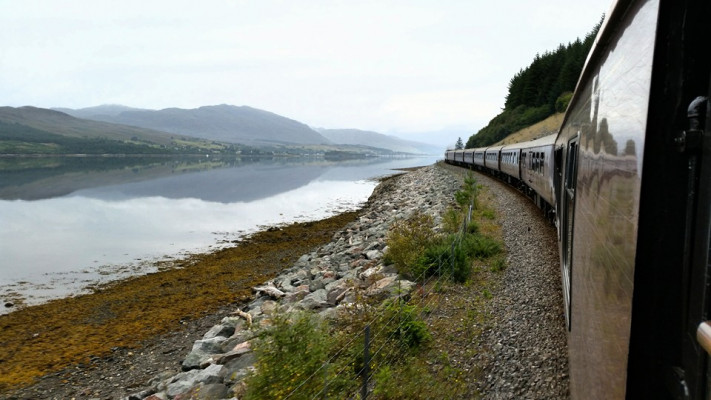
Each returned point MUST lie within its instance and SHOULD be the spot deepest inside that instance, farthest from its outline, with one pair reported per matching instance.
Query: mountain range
(374, 139)
(225, 124)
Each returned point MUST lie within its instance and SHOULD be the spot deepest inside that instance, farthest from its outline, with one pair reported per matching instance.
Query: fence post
(451, 259)
(325, 380)
(366, 363)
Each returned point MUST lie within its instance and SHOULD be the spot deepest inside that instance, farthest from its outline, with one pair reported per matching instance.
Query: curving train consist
(627, 182)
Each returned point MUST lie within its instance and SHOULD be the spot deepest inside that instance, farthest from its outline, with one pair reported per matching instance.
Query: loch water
(69, 223)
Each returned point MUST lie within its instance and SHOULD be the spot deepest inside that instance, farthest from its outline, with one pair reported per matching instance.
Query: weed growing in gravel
(488, 213)
(499, 264)
(481, 246)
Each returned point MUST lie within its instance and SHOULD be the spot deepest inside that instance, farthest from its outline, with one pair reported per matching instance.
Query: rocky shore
(320, 281)
(521, 353)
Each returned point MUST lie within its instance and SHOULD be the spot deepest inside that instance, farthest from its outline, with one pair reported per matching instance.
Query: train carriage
(459, 157)
(632, 174)
(510, 157)
(469, 157)
(449, 156)
(491, 158)
(537, 171)
(479, 157)
(629, 177)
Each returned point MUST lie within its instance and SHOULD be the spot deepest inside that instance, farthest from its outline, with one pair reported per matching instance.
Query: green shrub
(407, 240)
(444, 258)
(288, 353)
(408, 380)
(408, 327)
(452, 220)
(561, 103)
(462, 198)
(472, 227)
(481, 246)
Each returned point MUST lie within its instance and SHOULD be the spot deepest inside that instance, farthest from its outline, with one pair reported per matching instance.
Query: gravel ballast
(524, 348)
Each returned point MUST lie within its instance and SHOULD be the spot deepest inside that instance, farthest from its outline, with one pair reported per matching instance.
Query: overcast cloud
(427, 70)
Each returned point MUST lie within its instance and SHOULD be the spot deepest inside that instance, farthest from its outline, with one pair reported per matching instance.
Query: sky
(427, 70)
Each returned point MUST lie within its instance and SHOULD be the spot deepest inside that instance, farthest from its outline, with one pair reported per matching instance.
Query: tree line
(538, 91)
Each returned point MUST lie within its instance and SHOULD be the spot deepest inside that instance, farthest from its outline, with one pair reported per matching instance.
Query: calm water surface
(66, 224)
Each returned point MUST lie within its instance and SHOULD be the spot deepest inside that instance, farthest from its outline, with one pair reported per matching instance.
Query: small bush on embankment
(419, 253)
(301, 357)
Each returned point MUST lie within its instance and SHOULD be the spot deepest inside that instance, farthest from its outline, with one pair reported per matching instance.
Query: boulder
(219, 330)
(373, 255)
(390, 286)
(201, 351)
(203, 391)
(314, 300)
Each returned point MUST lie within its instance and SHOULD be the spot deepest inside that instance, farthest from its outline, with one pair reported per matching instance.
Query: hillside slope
(59, 123)
(546, 127)
(224, 123)
(374, 139)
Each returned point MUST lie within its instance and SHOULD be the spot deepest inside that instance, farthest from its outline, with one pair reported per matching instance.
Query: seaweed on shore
(43, 339)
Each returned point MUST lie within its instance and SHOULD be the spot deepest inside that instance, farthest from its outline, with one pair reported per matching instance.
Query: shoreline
(160, 345)
(62, 337)
(43, 339)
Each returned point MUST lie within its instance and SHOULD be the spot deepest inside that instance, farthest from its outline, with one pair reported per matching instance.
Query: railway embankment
(500, 335)
(524, 345)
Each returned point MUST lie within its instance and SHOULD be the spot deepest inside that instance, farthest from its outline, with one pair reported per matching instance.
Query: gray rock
(335, 295)
(219, 330)
(373, 255)
(237, 368)
(390, 286)
(237, 338)
(201, 351)
(236, 322)
(314, 300)
(316, 284)
(209, 391)
(212, 374)
(298, 294)
(183, 382)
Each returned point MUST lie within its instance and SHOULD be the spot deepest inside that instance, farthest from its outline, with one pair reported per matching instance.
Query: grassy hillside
(31, 130)
(546, 127)
(65, 125)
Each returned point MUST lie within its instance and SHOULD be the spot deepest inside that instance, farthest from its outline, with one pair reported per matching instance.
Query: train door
(557, 176)
(568, 212)
(697, 249)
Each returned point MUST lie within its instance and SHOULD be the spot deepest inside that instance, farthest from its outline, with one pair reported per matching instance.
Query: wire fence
(386, 336)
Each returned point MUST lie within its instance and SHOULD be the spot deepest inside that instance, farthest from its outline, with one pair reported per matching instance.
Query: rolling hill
(374, 139)
(59, 123)
(224, 123)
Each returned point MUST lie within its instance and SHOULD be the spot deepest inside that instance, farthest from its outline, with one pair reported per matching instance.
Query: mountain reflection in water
(71, 222)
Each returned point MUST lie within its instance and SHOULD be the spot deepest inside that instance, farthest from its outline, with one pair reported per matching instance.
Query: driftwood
(246, 316)
(270, 291)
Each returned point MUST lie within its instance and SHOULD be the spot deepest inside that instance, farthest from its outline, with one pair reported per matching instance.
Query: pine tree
(459, 144)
